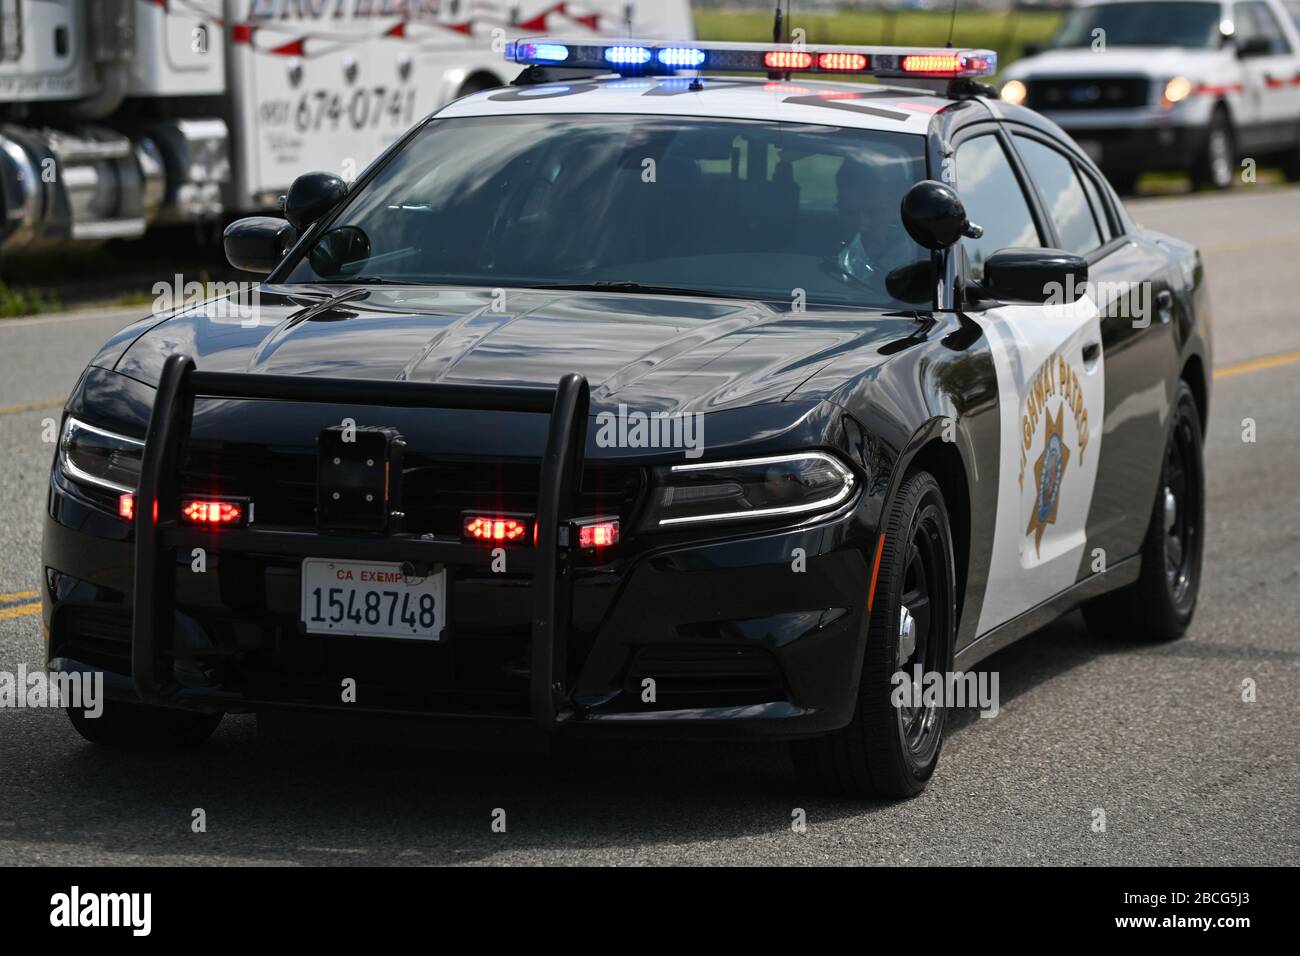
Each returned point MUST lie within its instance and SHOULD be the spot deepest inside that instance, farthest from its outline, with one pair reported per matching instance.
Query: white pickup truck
(1196, 86)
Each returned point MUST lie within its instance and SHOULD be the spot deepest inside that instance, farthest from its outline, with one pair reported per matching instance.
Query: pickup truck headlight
(747, 489)
(102, 458)
(1015, 92)
(1176, 90)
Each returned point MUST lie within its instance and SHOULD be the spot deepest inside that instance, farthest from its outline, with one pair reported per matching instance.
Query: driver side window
(994, 200)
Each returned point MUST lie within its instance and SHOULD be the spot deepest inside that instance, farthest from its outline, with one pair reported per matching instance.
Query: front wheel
(1217, 164)
(1159, 606)
(889, 750)
(128, 725)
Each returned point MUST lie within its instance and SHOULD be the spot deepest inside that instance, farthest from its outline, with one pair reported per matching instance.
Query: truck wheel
(1216, 166)
(1291, 161)
(1159, 606)
(889, 750)
(128, 725)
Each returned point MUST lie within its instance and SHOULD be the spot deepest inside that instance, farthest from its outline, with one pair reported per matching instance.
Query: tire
(1291, 161)
(1216, 167)
(136, 726)
(889, 751)
(1159, 606)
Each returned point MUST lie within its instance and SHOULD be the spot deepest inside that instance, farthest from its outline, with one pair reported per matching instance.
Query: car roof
(852, 105)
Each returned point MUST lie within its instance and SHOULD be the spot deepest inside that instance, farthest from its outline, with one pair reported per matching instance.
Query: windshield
(719, 207)
(1194, 26)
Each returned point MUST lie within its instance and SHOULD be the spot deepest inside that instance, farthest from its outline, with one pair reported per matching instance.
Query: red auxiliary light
(598, 534)
(126, 507)
(495, 529)
(787, 60)
(851, 62)
(930, 63)
(212, 512)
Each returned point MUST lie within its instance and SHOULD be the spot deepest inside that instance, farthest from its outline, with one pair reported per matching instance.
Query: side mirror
(1037, 276)
(1254, 46)
(257, 244)
(934, 216)
(312, 196)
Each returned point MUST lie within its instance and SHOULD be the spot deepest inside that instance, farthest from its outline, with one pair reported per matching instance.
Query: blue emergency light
(665, 58)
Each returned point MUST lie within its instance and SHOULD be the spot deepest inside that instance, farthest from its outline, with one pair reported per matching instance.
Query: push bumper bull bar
(159, 533)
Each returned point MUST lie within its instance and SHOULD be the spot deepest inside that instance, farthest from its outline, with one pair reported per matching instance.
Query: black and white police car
(646, 396)
(1172, 85)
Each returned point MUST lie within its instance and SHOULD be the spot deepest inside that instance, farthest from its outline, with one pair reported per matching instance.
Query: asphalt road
(1157, 737)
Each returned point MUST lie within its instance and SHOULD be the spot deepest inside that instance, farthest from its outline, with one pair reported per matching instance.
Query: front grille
(701, 676)
(282, 484)
(1089, 93)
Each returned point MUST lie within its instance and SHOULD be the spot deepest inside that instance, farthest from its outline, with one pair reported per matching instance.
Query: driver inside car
(868, 199)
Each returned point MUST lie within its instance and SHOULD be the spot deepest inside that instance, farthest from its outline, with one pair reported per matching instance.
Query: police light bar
(666, 58)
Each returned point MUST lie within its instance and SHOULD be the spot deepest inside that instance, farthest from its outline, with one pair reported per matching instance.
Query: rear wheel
(128, 725)
(1160, 605)
(1217, 164)
(887, 750)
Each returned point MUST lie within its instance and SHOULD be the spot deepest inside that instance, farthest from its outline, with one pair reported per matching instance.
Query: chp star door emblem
(1049, 470)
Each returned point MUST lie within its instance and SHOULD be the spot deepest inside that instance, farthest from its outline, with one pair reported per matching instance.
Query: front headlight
(748, 489)
(1176, 90)
(1015, 92)
(101, 458)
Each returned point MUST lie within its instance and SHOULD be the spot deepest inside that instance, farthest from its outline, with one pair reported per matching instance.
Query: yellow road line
(22, 610)
(33, 407)
(15, 595)
(1257, 365)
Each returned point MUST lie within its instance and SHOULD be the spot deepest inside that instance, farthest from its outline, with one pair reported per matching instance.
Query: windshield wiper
(604, 285)
(362, 280)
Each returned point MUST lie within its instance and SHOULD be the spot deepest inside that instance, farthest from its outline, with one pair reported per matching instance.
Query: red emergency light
(213, 512)
(787, 60)
(597, 533)
(496, 529)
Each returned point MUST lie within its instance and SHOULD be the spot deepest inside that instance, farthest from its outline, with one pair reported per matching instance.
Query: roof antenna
(952, 23)
(777, 31)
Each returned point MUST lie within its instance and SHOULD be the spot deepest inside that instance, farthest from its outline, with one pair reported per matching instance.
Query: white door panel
(1051, 401)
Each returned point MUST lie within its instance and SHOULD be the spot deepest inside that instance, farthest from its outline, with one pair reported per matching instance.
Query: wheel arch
(477, 81)
(1193, 374)
(943, 460)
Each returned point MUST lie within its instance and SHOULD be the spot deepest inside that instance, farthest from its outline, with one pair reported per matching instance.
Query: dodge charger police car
(1182, 85)
(943, 390)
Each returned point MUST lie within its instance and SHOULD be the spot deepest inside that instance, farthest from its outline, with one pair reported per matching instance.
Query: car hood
(1154, 62)
(652, 353)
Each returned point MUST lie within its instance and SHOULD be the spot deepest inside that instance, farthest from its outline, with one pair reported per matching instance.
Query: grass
(15, 303)
(1007, 32)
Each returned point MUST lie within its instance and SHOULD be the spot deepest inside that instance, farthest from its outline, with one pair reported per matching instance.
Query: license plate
(1092, 148)
(372, 599)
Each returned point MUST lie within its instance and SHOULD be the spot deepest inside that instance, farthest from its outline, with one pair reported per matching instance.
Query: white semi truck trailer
(117, 115)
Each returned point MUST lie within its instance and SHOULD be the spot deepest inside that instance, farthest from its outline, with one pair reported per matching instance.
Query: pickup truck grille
(1089, 93)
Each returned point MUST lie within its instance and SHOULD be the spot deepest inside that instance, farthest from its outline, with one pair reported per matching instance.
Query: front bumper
(1139, 148)
(735, 639)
